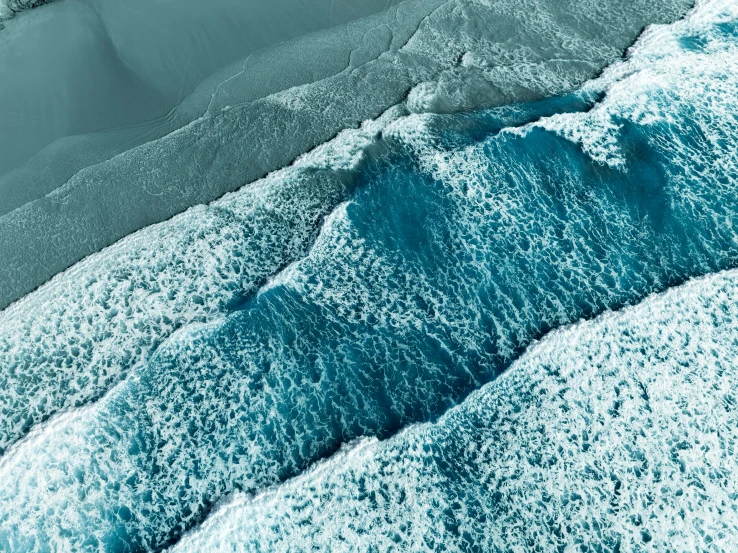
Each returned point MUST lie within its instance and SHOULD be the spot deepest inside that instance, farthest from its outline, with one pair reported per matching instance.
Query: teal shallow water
(297, 72)
(376, 284)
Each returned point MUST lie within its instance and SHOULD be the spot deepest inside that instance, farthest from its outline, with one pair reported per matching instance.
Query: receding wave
(410, 284)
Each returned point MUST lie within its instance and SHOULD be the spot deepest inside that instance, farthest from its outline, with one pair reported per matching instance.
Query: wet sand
(272, 103)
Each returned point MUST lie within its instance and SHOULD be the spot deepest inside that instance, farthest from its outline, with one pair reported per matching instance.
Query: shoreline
(290, 98)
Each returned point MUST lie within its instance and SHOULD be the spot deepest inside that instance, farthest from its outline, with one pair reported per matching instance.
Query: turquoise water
(297, 72)
(376, 284)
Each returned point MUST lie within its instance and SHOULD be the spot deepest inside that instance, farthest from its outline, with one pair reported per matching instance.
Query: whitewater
(510, 328)
(144, 124)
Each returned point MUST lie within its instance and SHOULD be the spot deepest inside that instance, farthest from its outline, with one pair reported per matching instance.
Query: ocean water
(415, 284)
(297, 73)
(617, 434)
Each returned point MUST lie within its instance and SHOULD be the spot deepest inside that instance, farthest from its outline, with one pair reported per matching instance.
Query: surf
(449, 254)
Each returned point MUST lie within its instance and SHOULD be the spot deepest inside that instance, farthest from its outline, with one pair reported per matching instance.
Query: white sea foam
(615, 433)
(285, 101)
(84, 331)
(8, 8)
(621, 430)
(643, 88)
(61, 482)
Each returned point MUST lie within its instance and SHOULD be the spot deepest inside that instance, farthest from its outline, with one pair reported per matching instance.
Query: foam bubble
(643, 89)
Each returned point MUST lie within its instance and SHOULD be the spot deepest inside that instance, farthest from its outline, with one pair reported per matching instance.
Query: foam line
(444, 262)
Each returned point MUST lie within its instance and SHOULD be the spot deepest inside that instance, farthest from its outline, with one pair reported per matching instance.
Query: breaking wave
(614, 434)
(375, 284)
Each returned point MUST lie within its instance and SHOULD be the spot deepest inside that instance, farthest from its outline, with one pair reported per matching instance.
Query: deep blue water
(415, 278)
